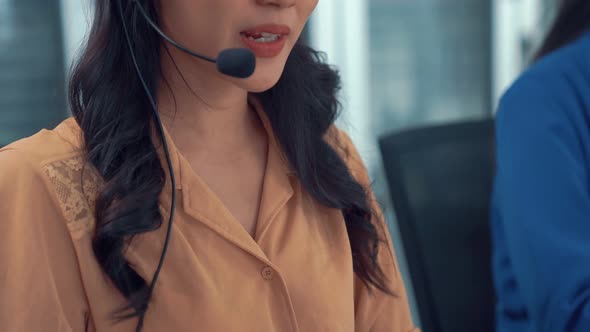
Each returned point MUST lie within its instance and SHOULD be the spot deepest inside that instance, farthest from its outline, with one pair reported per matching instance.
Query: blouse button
(267, 273)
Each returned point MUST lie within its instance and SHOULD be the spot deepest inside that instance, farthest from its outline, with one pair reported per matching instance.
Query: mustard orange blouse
(295, 275)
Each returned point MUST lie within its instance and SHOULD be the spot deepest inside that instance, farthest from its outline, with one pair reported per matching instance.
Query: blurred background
(405, 64)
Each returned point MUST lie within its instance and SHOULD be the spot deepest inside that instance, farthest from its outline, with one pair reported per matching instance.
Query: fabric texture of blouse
(295, 274)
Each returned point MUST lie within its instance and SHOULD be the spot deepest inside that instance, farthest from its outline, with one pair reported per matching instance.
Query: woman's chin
(259, 89)
(260, 81)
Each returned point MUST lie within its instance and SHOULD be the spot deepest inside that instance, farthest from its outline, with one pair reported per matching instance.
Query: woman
(246, 211)
(541, 207)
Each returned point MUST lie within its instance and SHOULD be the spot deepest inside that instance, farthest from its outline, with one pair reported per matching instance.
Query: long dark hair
(110, 105)
(573, 19)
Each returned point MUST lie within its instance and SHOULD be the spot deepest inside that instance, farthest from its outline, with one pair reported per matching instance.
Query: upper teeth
(265, 37)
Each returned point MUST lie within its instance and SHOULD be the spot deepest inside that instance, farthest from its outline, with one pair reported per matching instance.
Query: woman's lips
(266, 40)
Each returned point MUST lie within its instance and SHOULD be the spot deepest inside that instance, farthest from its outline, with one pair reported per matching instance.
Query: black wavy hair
(572, 20)
(114, 113)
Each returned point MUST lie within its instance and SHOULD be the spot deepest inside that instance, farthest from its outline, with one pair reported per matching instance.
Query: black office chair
(440, 179)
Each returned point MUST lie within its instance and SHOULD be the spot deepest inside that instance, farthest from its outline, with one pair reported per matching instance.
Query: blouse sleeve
(39, 275)
(375, 310)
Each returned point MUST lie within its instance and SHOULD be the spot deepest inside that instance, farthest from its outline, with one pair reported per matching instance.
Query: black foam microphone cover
(236, 62)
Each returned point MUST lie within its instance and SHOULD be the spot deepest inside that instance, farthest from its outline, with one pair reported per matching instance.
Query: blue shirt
(541, 201)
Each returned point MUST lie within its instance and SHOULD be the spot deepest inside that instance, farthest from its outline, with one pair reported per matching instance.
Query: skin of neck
(206, 114)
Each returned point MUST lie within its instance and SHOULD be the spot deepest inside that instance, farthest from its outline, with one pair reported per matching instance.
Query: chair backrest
(440, 179)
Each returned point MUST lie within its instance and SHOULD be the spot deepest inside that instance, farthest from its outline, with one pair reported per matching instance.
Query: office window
(31, 68)
(430, 62)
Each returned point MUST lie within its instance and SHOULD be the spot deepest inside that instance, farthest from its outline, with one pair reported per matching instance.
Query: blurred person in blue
(541, 201)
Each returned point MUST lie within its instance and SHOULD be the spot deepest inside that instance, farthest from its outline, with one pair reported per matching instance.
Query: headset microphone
(236, 62)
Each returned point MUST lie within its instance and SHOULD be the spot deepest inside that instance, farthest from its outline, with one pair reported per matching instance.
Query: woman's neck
(202, 111)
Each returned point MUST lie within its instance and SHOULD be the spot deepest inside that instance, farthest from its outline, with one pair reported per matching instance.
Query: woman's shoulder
(38, 154)
(568, 61)
(553, 90)
(49, 169)
(341, 142)
(64, 140)
(557, 78)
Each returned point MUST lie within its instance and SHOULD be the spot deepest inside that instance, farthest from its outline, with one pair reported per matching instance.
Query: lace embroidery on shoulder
(76, 184)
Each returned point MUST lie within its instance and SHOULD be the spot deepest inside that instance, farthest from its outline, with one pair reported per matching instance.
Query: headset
(235, 62)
